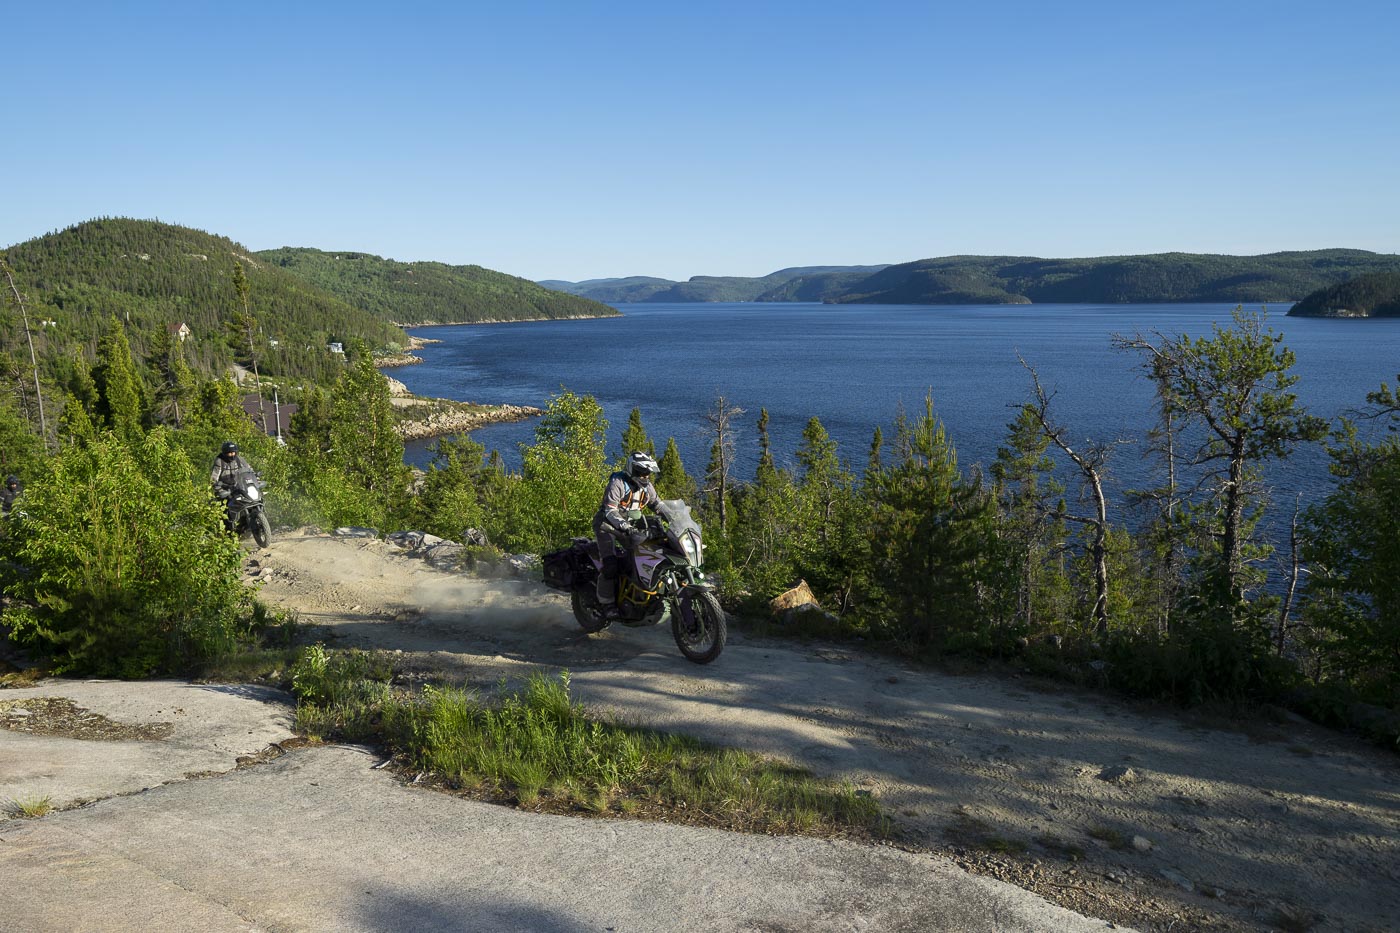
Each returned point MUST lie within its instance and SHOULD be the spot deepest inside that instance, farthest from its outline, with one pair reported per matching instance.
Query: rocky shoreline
(445, 422)
(407, 357)
(421, 418)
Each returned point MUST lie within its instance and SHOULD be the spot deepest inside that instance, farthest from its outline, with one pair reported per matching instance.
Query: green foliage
(1233, 389)
(126, 568)
(344, 464)
(428, 292)
(562, 476)
(456, 489)
(934, 551)
(21, 451)
(120, 392)
(634, 438)
(1353, 547)
(672, 481)
(1029, 523)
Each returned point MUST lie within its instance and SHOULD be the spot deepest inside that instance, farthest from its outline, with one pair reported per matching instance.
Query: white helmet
(641, 465)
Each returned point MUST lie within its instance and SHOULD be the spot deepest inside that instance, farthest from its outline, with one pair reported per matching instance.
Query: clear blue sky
(589, 139)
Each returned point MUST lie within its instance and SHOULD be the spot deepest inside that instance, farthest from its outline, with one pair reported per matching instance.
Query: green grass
(538, 748)
(31, 808)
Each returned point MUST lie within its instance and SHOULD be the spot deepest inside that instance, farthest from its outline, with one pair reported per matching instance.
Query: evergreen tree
(1232, 388)
(175, 383)
(243, 328)
(672, 481)
(365, 447)
(634, 438)
(1028, 492)
(1352, 544)
(120, 393)
(932, 537)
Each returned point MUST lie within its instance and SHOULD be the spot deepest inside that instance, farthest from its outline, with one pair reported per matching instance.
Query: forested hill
(1160, 277)
(1366, 296)
(776, 286)
(154, 276)
(429, 292)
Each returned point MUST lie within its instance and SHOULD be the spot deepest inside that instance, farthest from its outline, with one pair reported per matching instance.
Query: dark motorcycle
(658, 581)
(243, 499)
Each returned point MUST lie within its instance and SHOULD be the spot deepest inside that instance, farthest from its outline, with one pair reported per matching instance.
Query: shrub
(120, 564)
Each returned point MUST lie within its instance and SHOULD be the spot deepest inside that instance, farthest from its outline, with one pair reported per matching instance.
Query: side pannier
(569, 567)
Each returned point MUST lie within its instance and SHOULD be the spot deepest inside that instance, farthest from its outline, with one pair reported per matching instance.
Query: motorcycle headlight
(691, 542)
(253, 493)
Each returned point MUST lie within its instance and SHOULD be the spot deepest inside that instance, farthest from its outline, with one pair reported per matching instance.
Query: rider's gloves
(637, 536)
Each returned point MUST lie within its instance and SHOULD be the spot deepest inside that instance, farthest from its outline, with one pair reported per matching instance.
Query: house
(180, 331)
(273, 411)
(335, 346)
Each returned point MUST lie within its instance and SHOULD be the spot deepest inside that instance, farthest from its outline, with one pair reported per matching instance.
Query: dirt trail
(1132, 814)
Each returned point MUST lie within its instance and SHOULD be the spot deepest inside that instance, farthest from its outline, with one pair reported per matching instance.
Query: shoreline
(447, 423)
(421, 417)
(525, 320)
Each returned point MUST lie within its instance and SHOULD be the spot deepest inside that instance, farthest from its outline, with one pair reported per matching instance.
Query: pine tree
(174, 382)
(1027, 492)
(634, 438)
(121, 395)
(931, 537)
(672, 481)
(1232, 389)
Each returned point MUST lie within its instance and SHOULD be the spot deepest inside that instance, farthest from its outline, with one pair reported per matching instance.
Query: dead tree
(1090, 463)
(33, 359)
(720, 418)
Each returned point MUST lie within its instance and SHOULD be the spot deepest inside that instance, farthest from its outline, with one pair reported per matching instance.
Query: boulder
(408, 540)
(524, 565)
(474, 537)
(445, 556)
(799, 595)
(351, 531)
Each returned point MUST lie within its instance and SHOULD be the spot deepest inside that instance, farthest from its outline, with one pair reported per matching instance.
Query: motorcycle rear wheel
(699, 627)
(588, 611)
(262, 531)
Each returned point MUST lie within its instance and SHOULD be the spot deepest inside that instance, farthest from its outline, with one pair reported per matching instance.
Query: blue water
(854, 365)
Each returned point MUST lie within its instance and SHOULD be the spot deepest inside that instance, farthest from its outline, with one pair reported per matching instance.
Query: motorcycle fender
(691, 590)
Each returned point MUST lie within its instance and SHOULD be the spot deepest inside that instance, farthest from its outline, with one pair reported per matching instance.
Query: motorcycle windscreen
(677, 515)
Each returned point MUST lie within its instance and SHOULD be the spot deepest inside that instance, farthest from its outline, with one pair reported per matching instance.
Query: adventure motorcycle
(658, 580)
(244, 501)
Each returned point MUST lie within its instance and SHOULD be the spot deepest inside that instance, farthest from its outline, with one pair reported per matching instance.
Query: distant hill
(155, 276)
(1162, 277)
(429, 292)
(1365, 296)
(706, 287)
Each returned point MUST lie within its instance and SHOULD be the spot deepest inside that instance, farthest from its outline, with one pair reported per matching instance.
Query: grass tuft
(538, 748)
(31, 808)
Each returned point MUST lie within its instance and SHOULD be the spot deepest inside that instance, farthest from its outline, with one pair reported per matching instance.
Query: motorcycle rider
(628, 490)
(226, 466)
(10, 493)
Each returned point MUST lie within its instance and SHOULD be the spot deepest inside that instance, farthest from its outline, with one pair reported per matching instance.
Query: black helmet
(641, 465)
(12, 480)
(229, 448)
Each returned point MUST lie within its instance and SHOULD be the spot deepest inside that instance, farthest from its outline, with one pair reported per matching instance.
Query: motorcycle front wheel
(588, 611)
(262, 531)
(699, 627)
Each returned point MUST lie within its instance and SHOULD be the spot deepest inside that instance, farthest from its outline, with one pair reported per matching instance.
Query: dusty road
(1141, 816)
